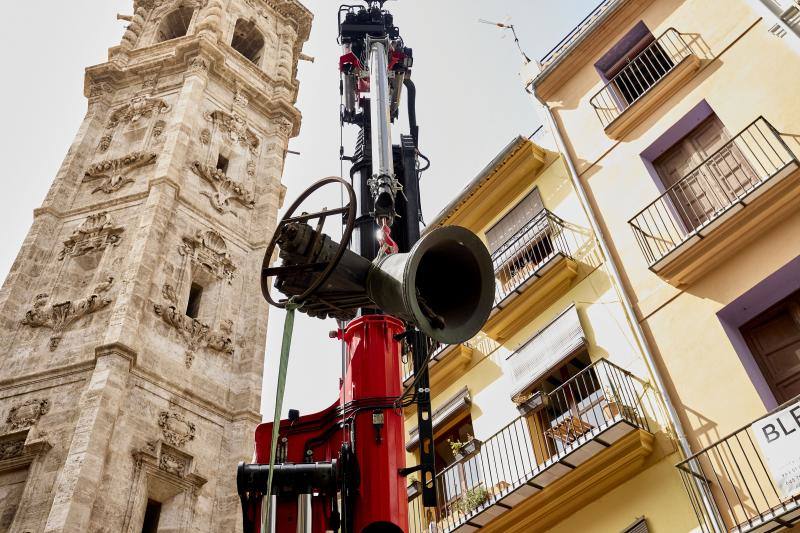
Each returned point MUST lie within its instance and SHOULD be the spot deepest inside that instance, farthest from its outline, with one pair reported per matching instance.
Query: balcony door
(774, 340)
(704, 172)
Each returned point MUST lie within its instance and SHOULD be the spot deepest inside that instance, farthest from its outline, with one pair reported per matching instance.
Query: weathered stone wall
(110, 394)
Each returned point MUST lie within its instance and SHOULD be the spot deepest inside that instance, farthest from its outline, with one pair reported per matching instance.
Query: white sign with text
(778, 436)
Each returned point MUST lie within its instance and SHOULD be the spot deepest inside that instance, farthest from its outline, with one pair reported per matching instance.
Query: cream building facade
(551, 419)
(679, 119)
(133, 329)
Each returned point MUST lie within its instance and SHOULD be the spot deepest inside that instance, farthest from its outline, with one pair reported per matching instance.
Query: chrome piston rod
(383, 184)
(303, 513)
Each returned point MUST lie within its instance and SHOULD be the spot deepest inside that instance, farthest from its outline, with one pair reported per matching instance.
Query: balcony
(696, 223)
(645, 82)
(751, 492)
(446, 361)
(533, 268)
(574, 444)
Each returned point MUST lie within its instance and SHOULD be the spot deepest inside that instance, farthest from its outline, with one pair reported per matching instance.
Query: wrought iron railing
(733, 473)
(641, 74)
(559, 423)
(435, 349)
(721, 182)
(520, 258)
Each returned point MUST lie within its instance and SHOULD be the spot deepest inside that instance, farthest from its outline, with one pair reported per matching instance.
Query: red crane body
(373, 372)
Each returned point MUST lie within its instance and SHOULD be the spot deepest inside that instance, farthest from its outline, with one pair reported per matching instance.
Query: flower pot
(468, 449)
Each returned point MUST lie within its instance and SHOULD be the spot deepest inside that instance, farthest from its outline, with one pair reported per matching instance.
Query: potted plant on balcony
(614, 406)
(530, 403)
(462, 450)
(471, 500)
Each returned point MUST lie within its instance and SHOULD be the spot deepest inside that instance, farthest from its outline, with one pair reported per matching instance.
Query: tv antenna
(507, 26)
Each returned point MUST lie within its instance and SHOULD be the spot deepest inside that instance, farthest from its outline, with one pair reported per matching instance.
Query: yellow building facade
(679, 122)
(549, 420)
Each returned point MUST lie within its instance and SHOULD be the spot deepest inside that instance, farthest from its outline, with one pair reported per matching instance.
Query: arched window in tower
(175, 24)
(248, 41)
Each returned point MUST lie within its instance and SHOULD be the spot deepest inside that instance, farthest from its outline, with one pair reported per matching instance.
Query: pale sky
(470, 104)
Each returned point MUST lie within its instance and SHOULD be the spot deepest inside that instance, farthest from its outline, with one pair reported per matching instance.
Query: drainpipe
(716, 521)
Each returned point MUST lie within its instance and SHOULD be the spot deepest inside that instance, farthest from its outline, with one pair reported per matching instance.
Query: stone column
(77, 484)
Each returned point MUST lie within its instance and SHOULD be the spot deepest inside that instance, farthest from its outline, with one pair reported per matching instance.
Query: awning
(545, 351)
(455, 405)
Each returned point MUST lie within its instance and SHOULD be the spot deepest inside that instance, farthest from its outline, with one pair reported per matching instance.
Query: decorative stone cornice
(269, 96)
(225, 189)
(58, 317)
(114, 172)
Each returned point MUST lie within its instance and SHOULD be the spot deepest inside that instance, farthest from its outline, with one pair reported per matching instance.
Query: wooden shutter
(525, 211)
(696, 192)
(774, 341)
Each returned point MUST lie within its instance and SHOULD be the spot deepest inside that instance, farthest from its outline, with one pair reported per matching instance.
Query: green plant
(471, 500)
(456, 445)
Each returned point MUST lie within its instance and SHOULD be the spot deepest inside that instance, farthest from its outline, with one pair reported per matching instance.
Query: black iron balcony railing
(733, 473)
(722, 182)
(564, 428)
(435, 349)
(641, 74)
(520, 258)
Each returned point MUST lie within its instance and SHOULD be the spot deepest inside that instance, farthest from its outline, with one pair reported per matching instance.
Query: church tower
(132, 325)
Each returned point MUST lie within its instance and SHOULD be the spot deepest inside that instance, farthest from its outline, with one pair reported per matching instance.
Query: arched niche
(175, 24)
(248, 41)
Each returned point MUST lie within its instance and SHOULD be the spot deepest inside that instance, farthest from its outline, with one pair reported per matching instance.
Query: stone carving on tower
(133, 329)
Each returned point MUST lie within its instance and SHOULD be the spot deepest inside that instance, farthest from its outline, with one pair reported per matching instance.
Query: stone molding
(12, 447)
(196, 334)
(114, 172)
(270, 96)
(59, 317)
(96, 233)
(140, 106)
(225, 189)
(176, 429)
(26, 414)
(208, 250)
(172, 471)
(20, 447)
(235, 126)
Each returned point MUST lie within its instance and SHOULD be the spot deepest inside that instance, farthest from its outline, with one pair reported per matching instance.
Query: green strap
(286, 344)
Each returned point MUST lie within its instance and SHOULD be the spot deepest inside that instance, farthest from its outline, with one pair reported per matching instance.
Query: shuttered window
(515, 220)
(550, 347)
(640, 526)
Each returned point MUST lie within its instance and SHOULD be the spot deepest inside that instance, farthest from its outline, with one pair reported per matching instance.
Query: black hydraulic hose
(412, 109)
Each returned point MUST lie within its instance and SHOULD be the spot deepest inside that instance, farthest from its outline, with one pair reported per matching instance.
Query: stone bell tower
(132, 328)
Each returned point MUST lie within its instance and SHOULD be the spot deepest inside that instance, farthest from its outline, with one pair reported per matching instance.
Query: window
(704, 172)
(152, 514)
(639, 69)
(193, 305)
(525, 211)
(248, 41)
(455, 457)
(222, 164)
(774, 340)
(175, 24)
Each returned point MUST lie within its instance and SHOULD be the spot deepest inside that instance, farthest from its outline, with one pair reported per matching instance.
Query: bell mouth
(452, 278)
